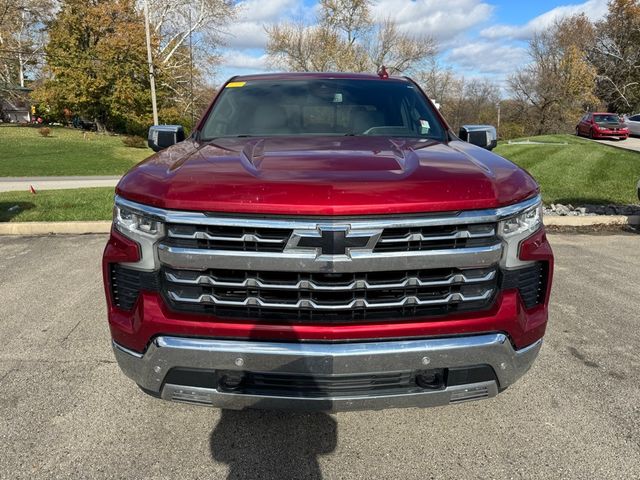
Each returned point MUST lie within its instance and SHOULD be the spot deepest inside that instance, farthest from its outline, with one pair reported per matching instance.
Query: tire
(577, 132)
(591, 133)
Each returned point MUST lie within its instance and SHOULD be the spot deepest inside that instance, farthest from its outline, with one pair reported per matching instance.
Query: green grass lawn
(582, 172)
(57, 205)
(25, 153)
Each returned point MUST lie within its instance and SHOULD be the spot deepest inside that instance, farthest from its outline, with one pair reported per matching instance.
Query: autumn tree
(559, 82)
(345, 37)
(97, 63)
(615, 54)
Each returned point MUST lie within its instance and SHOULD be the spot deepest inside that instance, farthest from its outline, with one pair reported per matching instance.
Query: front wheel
(577, 132)
(591, 133)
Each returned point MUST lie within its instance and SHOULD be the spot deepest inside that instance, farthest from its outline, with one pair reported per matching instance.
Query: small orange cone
(32, 190)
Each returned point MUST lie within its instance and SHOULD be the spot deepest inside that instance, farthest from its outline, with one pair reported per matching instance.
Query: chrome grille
(272, 239)
(436, 237)
(327, 296)
(234, 238)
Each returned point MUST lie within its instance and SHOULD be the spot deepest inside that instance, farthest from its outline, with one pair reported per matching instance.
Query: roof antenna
(382, 72)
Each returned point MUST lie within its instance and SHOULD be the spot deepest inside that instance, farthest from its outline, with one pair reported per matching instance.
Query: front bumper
(327, 360)
(610, 134)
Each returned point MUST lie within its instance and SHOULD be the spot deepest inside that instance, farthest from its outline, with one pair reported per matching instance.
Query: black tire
(577, 132)
(591, 133)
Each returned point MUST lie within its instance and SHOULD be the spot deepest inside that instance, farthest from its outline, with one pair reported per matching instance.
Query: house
(15, 106)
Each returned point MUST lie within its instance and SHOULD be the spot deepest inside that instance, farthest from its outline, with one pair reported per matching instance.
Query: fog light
(430, 379)
(230, 381)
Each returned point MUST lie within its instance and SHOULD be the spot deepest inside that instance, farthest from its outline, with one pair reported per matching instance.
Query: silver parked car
(633, 122)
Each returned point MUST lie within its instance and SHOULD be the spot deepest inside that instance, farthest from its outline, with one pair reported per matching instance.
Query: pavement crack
(70, 332)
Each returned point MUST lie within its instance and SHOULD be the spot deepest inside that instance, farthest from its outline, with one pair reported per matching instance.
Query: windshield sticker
(424, 127)
(235, 84)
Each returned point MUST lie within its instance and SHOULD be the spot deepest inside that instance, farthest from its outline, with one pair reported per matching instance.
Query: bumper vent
(126, 284)
(531, 282)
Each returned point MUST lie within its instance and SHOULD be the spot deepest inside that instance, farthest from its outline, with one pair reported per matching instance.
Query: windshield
(265, 108)
(606, 118)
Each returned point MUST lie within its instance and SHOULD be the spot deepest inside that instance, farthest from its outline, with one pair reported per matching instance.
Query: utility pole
(193, 120)
(498, 122)
(152, 78)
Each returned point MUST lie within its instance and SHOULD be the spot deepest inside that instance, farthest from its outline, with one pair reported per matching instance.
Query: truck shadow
(8, 210)
(272, 444)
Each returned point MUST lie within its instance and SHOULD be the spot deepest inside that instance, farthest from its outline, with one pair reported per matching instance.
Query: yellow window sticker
(235, 84)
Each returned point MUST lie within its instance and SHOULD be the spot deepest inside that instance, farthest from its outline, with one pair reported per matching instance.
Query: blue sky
(477, 38)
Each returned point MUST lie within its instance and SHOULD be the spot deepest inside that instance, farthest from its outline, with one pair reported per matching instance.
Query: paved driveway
(21, 184)
(66, 411)
(631, 143)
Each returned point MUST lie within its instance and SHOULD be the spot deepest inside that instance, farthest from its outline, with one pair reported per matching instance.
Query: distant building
(16, 106)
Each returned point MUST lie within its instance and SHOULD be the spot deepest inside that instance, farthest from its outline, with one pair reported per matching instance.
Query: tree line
(87, 58)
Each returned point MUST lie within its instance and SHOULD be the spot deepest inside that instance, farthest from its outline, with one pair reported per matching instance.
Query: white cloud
(593, 9)
(488, 58)
(444, 21)
(248, 29)
(237, 59)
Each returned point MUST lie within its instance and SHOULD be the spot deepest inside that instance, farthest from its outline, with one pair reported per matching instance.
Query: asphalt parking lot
(66, 411)
(631, 143)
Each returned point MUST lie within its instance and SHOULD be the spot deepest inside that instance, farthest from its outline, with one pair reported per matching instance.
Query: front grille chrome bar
(247, 237)
(419, 237)
(208, 280)
(306, 303)
(306, 261)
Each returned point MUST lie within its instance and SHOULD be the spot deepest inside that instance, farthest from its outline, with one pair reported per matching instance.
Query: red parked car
(325, 242)
(602, 126)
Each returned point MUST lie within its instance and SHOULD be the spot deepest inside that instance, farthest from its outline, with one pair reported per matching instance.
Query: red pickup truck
(325, 242)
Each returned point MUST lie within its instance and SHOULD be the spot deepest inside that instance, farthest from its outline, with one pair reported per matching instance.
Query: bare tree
(351, 17)
(187, 35)
(345, 38)
(399, 51)
(616, 55)
(559, 82)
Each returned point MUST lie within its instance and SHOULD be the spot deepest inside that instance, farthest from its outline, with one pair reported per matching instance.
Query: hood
(326, 176)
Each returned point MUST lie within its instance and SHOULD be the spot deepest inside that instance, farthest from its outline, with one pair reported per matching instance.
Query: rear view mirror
(484, 136)
(163, 136)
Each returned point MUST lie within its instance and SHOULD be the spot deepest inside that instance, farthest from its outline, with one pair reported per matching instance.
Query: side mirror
(163, 136)
(484, 136)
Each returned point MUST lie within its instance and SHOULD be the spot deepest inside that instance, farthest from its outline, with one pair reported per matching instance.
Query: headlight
(142, 229)
(526, 222)
(516, 228)
(129, 222)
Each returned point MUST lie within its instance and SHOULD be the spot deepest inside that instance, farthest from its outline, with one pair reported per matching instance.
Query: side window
(635, 118)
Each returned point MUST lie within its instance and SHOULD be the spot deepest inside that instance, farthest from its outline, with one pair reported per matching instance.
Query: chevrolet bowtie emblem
(334, 240)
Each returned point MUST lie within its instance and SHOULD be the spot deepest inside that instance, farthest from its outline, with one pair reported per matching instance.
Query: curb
(590, 221)
(47, 228)
(81, 228)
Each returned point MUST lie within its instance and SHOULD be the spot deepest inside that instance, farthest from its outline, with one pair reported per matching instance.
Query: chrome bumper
(149, 369)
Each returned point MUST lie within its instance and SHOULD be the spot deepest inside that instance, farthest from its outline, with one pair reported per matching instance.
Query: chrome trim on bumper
(149, 369)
